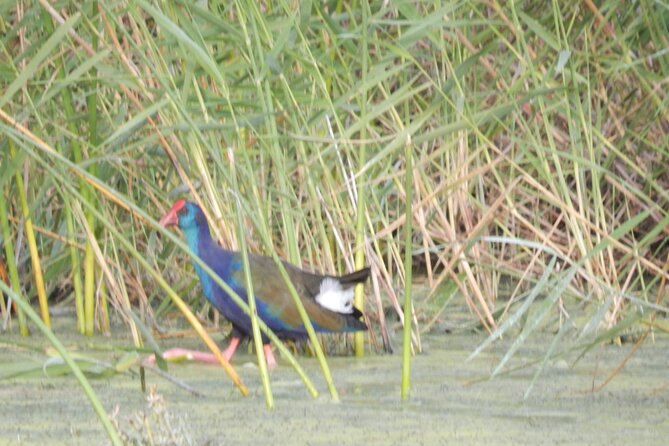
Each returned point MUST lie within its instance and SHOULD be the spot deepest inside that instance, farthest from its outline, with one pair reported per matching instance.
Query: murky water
(443, 409)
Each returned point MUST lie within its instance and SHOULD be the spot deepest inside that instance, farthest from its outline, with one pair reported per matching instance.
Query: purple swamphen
(327, 299)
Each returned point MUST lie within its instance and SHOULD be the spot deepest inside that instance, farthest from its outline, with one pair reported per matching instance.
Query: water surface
(444, 408)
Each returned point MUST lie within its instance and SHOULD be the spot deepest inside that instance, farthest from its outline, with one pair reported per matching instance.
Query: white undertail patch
(334, 297)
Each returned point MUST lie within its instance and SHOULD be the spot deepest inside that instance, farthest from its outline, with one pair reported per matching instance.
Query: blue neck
(199, 238)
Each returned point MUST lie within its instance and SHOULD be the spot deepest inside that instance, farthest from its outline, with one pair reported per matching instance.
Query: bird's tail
(354, 277)
(353, 320)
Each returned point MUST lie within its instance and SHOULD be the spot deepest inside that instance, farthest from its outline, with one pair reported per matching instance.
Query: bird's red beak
(172, 217)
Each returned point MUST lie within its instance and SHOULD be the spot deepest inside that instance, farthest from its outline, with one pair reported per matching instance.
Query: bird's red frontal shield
(172, 217)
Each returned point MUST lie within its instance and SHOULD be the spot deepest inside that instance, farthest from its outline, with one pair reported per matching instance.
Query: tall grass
(539, 138)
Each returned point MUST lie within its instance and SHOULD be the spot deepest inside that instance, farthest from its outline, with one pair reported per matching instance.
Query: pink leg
(269, 356)
(232, 348)
(194, 355)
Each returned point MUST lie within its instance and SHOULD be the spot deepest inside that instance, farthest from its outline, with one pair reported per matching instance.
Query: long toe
(182, 354)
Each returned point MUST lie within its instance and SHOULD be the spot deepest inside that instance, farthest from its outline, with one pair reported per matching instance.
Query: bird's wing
(275, 304)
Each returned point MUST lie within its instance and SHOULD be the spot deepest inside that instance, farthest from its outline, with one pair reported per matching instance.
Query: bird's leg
(269, 356)
(232, 348)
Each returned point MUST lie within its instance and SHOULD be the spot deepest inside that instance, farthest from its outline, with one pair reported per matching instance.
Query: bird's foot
(182, 354)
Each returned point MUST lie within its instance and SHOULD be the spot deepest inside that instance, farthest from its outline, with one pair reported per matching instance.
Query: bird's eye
(182, 211)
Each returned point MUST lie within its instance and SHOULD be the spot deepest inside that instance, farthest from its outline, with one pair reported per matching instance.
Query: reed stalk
(32, 243)
(361, 205)
(82, 303)
(248, 284)
(75, 260)
(407, 309)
